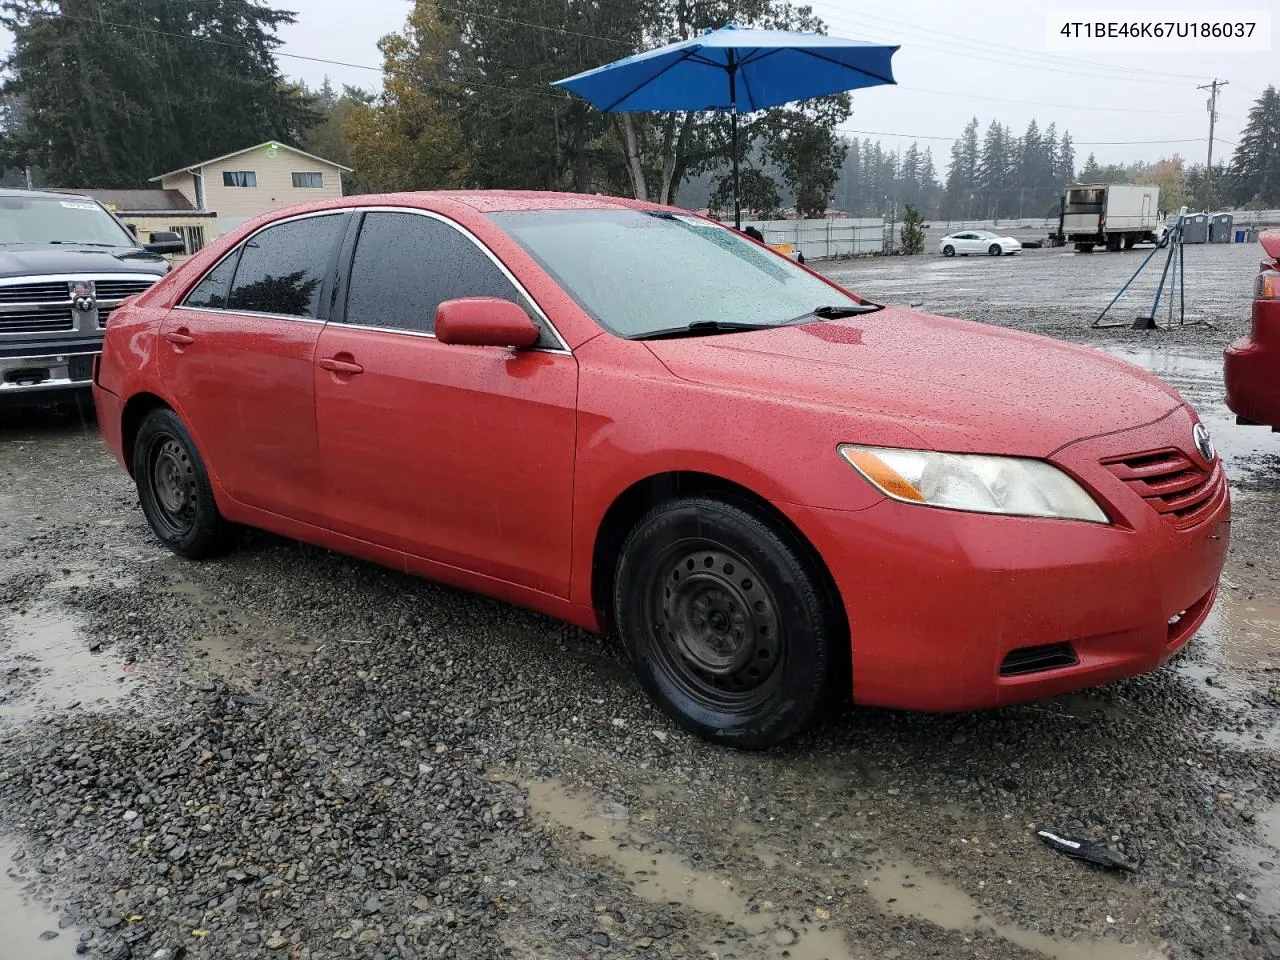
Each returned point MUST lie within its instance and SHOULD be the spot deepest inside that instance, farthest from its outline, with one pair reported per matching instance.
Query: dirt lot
(289, 753)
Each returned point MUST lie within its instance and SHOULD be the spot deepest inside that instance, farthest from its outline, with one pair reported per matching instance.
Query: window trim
(237, 186)
(344, 273)
(330, 281)
(294, 174)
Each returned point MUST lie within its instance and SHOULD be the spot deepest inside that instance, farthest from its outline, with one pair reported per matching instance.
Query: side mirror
(484, 322)
(166, 241)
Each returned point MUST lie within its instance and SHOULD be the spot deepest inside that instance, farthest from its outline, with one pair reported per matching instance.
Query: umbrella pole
(737, 194)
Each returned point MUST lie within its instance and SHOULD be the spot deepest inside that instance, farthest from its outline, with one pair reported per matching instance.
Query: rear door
(237, 356)
(460, 455)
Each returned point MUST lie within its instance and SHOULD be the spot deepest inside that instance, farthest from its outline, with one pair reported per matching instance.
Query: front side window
(640, 272)
(211, 292)
(239, 178)
(406, 265)
(282, 268)
(312, 181)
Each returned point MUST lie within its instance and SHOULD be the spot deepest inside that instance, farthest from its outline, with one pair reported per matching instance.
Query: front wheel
(174, 490)
(727, 625)
(994, 250)
(948, 251)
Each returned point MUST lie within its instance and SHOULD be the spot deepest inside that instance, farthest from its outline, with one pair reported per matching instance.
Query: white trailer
(1111, 215)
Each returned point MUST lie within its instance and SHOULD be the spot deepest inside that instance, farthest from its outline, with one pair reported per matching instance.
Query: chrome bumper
(46, 371)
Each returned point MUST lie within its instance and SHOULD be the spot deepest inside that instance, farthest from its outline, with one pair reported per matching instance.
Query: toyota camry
(777, 494)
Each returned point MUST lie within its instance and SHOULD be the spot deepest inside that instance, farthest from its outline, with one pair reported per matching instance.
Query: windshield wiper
(700, 327)
(836, 313)
(84, 243)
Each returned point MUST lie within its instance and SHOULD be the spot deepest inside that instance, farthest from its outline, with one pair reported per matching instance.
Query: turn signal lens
(1267, 285)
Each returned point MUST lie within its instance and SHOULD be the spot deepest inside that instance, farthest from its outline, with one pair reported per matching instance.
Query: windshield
(40, 220)
(639, 272)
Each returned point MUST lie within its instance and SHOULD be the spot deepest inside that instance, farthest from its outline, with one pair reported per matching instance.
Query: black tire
(173, 488)
(1084, 248)
(726, 624)
(1113, 244)
(1129, 242)
(994, 250)
(948, 251)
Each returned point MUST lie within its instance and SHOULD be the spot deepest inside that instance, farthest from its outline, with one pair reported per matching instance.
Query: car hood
(957, 385)
(46, 259)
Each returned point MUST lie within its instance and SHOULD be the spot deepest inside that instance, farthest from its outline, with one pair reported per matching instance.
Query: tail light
(1266, 286)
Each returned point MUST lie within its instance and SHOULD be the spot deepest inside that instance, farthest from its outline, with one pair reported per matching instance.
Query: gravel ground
(290, 753)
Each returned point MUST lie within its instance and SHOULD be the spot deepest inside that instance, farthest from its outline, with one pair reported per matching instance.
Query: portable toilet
(1220, 228)
(1195, 228)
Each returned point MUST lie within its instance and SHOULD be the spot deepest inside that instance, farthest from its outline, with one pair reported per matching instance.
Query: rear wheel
(948, 251)
(1084, 248)
(1113, 244)
(726, 624)
(174, 490)
(994, 250)
(1129, 241)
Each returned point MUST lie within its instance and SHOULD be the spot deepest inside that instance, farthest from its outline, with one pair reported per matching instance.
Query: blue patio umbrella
(734, 69)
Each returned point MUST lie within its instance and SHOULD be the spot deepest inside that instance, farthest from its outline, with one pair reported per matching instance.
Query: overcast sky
(959, 59)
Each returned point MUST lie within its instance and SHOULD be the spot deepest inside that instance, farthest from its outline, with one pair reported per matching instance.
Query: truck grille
(55, 292)
(42, 321)
(1173, 484)
(119, 289)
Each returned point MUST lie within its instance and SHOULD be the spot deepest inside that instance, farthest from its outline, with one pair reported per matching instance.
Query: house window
(239, 178)
(310, 180)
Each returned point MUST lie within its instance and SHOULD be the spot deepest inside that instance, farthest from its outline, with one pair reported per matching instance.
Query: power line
(1037, 103)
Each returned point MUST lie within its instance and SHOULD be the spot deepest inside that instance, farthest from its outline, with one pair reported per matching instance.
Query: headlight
(981, 484)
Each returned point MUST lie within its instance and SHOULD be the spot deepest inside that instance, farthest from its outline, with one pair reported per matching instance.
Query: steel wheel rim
(173, 485)
(715, 625)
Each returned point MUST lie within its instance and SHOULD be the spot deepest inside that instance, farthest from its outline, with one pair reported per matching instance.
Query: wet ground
(290, 753)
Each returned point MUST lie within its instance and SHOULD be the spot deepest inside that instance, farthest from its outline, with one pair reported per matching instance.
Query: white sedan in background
(977, 241)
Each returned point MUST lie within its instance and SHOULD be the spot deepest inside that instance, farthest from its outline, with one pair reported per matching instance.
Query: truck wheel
(994, 250)
(1113, 244)
(1084, 248)
(1129, 241)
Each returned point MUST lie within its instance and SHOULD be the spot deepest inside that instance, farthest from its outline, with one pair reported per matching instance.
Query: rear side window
(282, 269)
(406, 265)
(211, 292)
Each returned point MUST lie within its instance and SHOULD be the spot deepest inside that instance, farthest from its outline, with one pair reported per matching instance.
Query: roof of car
(41, 194)
(498, 201)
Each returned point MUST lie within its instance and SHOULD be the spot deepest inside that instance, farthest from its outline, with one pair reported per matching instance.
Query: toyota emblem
(82, 294)
(1204, 443)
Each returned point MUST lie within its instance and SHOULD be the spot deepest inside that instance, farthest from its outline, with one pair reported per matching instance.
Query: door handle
(180, 337)
(334, 365)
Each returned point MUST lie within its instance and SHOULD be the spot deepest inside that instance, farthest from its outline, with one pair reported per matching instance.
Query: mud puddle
(45, 665)
(601, 830)
(22, 922)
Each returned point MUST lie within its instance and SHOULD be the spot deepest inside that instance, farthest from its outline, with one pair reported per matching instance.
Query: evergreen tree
(121, 90)
(1255, 166)
(1090, 172)
(994, 166)
(1066, 169)
(962, 175)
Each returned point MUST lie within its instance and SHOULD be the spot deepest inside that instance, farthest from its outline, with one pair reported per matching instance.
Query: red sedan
(1252, 367)
(776, 493)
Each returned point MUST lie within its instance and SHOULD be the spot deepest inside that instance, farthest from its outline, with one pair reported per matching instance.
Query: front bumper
(938, 600)
(47, 368)
(1251, 372)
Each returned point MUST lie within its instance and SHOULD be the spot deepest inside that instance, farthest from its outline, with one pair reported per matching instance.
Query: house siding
(185, 184)
(275, 187)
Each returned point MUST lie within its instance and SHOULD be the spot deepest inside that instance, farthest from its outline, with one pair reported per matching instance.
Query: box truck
(1111, 215)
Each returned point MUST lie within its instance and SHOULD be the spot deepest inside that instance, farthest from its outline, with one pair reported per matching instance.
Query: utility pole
(1212, 107)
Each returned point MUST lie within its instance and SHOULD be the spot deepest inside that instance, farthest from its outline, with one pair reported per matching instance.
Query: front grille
(43, 321)
(53, 292)
(1173, 484)
(119, 289)
(104, 313)
(1049, 656)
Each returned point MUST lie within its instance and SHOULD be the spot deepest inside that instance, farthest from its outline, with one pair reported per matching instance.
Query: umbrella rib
(648, 80)
(865, 73)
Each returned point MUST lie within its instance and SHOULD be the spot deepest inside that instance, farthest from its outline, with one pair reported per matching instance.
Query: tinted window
(211, 292)
(282, 268)
(406, 265)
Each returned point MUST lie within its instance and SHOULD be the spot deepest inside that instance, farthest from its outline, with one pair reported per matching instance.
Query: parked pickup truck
(65, 263)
